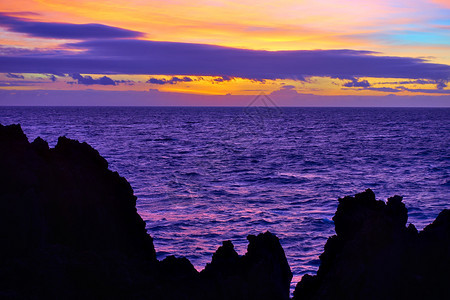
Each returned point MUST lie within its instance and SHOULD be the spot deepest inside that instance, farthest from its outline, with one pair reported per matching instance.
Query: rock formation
(69, 230)
(375, 256)
(262, 273)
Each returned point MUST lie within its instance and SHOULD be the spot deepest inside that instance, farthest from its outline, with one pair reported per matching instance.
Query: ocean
(203, 175)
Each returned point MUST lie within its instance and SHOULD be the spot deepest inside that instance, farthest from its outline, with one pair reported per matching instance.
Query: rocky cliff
(375, 256)
(69, 230)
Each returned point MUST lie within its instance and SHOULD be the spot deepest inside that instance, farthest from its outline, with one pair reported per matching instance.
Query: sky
(208, 52)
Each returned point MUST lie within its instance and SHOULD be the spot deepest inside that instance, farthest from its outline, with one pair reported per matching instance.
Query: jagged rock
(268, 269)
(66, 196)
(69, 229)
(262, 273)
(374, 256)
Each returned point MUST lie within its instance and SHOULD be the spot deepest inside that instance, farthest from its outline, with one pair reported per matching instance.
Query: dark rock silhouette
(66, 196)
(375, 256)
(69, 230)
(262, 273)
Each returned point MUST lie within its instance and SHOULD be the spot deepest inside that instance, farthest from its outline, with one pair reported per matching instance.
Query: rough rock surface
(263, 270)
(375, 256)
(69, 230)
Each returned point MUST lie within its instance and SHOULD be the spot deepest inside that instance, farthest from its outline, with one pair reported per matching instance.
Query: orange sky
(393, 28)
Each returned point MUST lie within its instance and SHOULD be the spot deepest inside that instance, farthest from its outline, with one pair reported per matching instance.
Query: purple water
(204, 175)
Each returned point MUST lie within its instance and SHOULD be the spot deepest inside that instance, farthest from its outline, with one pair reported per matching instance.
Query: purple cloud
(427, 91)
(127, 82)
(64, 30)
(88, 80)
(223, 78)
(52, 77)
(384, 89)
(15, 76)
(356, 83)
(441, 84)
(131, 56)
(173, 80)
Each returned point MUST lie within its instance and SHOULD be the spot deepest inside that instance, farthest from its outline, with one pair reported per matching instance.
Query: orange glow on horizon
(376, 25)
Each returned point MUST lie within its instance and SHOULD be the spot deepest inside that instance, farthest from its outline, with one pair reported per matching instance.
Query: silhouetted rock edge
(69, 229)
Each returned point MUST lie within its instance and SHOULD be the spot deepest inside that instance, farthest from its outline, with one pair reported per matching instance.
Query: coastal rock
(375, 256)
(262, 273)
(66, 196)
(69, 230)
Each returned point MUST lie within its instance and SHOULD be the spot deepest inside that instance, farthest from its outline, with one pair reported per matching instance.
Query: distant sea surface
(205, 175)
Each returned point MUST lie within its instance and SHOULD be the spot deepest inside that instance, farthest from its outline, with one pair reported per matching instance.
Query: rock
(67, 223)
(69, 230)
(375, 256)
(40, 146)
(268, 270)
(67, 196)
(262, 273)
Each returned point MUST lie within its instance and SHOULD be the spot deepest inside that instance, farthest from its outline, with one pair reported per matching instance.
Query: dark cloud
(15, 76)
(299, 78)
(173, 80)
(58, 74)
(88, 80)
(417, 81)
(64, 30)
(176, 79)
(356, 83)
(285, 91)
(127, 82)
(384, 89)
(427, 91)
(52, 77)
(223, 78)
(156, 81)
(441, 84)
(402, 88)
(130, 56)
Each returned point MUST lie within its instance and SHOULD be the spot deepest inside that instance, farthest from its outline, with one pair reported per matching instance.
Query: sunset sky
(228, 50)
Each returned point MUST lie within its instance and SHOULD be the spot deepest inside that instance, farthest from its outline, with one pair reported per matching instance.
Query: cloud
(110, 98)
(285, 91)
(127, 82)
(103, 53)
(223, 78)
(356, 83)
(417, 81)
(64, 30)
(384, 89)
(88, 80)
(427, 91)
(441, 84)
(52, 77)
(15, 76)
(176, 79)
(156, 81)
(402, 88)
(173, 80)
